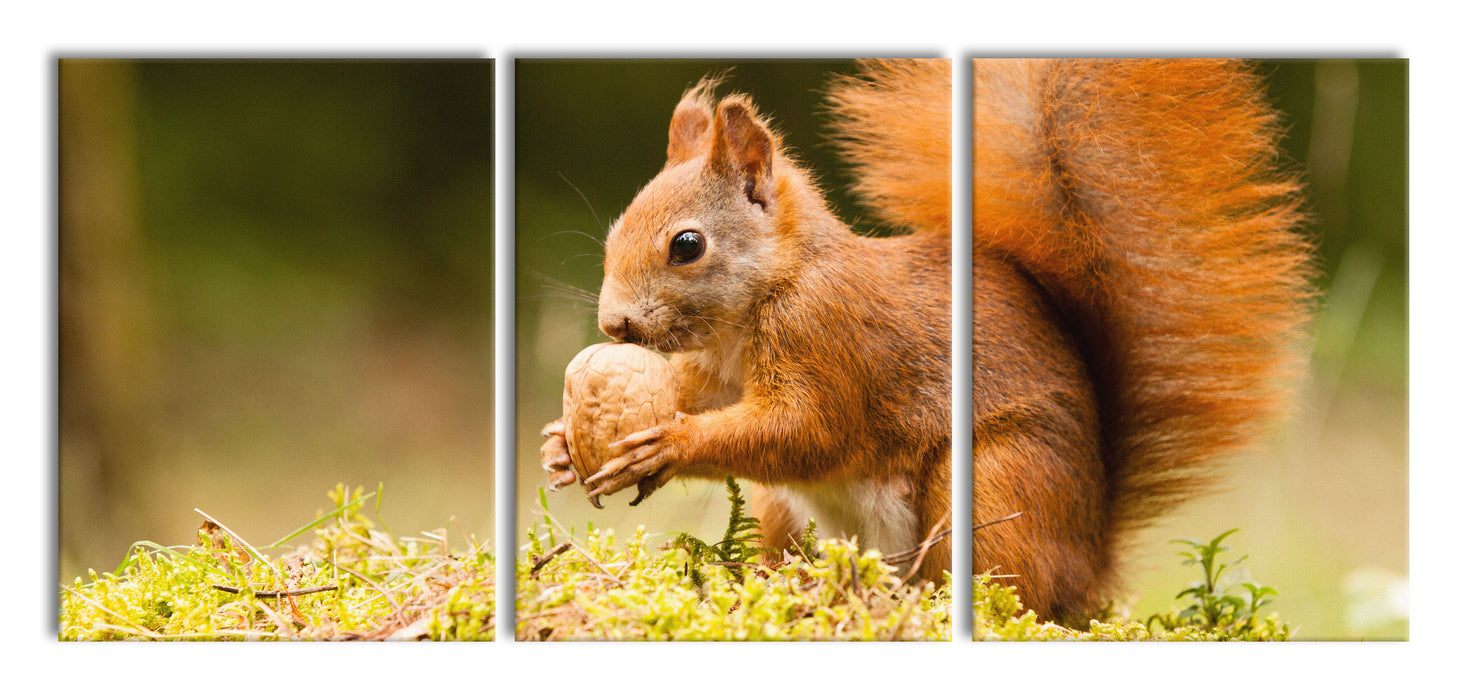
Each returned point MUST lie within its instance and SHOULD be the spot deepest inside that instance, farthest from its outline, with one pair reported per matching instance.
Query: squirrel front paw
(646, 458)
(555, 456)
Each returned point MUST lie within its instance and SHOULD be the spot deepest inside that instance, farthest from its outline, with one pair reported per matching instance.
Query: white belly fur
(876, 513)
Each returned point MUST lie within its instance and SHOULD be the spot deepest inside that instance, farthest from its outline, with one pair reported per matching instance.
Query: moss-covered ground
(354, 580)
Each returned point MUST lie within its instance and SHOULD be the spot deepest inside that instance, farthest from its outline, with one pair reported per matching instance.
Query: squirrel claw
(644, 489)
(650, 484)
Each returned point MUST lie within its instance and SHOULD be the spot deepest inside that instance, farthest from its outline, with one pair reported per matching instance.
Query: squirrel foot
(644, 458)
(555, 457)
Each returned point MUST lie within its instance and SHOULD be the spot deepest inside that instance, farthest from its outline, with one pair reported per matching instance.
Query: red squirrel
(1139, 287)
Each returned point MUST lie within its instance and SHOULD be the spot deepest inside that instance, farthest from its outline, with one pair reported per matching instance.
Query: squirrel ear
(744, 146)
(688, 133)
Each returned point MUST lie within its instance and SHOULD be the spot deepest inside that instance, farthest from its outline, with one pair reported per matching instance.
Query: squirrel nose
(620, 328)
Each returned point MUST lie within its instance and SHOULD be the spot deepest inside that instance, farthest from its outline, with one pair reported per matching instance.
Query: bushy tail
(894, 125)
(1147, 198)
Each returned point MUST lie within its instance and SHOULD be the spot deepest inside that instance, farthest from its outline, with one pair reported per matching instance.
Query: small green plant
(1214, 608)
(740, 544)
(808, 539)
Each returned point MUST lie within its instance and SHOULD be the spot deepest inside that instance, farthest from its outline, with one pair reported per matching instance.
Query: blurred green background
(1323, 511)
(274, 276)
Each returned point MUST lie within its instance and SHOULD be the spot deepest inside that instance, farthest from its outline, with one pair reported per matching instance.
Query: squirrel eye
(685, 248)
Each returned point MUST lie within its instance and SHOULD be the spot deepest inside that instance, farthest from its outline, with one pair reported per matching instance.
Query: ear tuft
(689, 131)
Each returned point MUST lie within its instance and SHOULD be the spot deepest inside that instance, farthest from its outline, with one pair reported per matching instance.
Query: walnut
(613, 390)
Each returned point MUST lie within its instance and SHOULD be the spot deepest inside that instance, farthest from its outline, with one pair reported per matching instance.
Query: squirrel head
(699, 246)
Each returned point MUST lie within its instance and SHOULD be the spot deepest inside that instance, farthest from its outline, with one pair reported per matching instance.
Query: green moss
(595, 589)
(353, 581)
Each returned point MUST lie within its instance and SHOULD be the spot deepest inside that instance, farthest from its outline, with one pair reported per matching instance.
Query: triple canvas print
(733, 328)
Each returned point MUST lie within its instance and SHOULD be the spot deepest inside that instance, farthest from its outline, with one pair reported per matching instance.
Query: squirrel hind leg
(1054, 552)
(782, 518)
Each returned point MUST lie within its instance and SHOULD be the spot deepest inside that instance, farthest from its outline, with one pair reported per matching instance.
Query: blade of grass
(545, 508)
(381, 525)
(312, 525)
